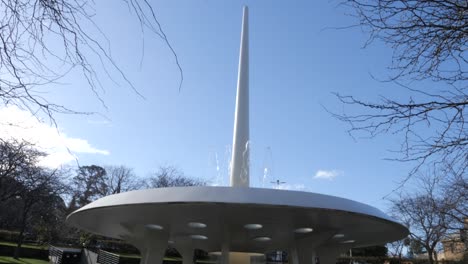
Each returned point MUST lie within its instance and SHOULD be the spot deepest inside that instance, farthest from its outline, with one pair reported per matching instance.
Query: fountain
(237, 223)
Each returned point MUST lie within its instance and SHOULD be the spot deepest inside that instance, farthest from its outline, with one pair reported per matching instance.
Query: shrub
(9, 236)
(25, 252)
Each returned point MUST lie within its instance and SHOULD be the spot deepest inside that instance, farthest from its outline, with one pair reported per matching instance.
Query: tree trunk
(21, 234)
(20, 241)
(430, 255)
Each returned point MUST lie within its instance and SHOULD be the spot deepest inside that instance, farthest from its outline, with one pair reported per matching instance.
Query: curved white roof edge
(230, 195)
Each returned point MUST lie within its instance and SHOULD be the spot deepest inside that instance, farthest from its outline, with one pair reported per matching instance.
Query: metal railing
(105, 257)
(55, 255)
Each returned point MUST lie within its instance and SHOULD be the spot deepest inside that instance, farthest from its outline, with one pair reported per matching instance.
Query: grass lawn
(165, 258)
(10, 260)
(10, 244)
(127, 255)
(138, 256)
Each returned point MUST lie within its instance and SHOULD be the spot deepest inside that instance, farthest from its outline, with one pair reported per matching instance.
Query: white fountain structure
(238, 223)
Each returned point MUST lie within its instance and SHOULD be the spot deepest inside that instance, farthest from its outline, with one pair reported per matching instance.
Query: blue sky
(296, 62)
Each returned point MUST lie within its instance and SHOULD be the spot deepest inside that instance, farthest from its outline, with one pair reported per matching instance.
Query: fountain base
(226, 219)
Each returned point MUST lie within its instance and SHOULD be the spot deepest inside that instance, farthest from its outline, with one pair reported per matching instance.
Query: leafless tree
(454, 192)
(433, 131)
(433, 210)
(426, 222)
(429, 41)
(396, 248)
(456, 210)
(16, 157)
(28, 61)
(168, 176)
(122, 179)
(429, 38)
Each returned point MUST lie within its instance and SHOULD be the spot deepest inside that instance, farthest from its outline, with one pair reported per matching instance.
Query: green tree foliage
(89, 184)
(30, 195)
(39, 198)
(36, 200)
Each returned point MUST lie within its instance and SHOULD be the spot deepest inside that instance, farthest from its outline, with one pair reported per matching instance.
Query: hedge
(25, 252)
(10, 236)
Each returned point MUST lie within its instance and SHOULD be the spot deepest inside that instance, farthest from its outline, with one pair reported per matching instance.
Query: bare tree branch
(122, 179)
(429, 38)
(429, 42)
(168, 176)
(435, 210)
(28, 61)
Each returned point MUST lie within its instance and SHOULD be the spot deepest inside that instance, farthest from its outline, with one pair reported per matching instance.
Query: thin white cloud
(327, 174)
(21, 125)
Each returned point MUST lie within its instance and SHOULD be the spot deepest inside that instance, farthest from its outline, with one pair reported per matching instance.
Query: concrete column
(187, 255)
(305, 256)
(314, 257)
(152, 245)
(328, 259)
(153, 255)
(292, 255)
(225, 253)
(303, 250)
(329, 255)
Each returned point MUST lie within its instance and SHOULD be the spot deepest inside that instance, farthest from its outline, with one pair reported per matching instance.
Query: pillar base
(240, 257)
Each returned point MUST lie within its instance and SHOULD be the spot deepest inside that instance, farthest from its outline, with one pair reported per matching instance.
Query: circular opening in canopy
(251, 254)
(338, 236)
(154, 227)
(262, 239)
(303, 230)
(196, 225)
(199, 237)
(253, 226)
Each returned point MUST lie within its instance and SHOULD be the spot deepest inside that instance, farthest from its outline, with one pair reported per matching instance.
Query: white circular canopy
(248, 219)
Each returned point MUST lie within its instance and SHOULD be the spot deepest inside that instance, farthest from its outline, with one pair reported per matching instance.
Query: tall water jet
(240, 172)
(267, 168)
